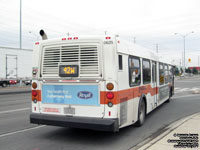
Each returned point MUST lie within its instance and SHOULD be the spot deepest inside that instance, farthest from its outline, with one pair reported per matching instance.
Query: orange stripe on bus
(125, 95)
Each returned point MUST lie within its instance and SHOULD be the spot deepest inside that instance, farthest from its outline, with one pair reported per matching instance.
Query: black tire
(4, 84)
(170, 95)
(141, 113)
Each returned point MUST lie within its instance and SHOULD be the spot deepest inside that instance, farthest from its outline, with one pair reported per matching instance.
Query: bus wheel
(141, 113)
(170, 95)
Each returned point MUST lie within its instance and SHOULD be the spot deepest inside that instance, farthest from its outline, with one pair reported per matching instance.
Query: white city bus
(96, 82)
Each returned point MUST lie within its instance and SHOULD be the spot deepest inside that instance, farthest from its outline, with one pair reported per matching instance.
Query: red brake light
(108, 38)
(110, 95)
(75, 38)
(63, 39)
(34, 93)
(69, 38)
(37, 43)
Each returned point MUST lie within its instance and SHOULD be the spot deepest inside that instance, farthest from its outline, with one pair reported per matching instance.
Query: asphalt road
(16, 133)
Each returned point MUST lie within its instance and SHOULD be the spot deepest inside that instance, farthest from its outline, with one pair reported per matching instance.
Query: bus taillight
(34, 93)
(110, 95)
(110, 86)
(34, 85)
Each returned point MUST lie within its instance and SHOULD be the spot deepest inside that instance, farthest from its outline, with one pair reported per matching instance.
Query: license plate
(69, 110)
(68, 70)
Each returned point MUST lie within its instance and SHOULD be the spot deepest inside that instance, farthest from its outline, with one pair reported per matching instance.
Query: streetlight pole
(184, 55)
(157, 49)
(134, 40)
(20, 26)
(184, 36)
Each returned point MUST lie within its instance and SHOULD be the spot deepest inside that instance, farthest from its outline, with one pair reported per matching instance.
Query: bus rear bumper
(76, 122)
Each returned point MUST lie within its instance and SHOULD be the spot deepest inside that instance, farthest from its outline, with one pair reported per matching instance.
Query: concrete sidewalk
(15, 90)
(181, 135)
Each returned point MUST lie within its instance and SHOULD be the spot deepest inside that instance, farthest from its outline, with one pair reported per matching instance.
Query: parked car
(4, 83)
(27, 82)
(13, 81)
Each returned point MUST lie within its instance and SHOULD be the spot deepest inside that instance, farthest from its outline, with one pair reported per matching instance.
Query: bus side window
(120, 62)
(153, 72)
(146, 71)
(161, 73)
(170, 74)
(134, 71)
(166, 74)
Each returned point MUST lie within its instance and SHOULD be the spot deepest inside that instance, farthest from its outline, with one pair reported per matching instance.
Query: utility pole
(20, 26)
(6, 66)
(134, 40)
(184, 36)
(182, 60)
(16, 67)
(180, 63)
(157, 48)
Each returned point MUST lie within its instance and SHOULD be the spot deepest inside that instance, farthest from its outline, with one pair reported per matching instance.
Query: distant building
(191, 68)
(17, 63)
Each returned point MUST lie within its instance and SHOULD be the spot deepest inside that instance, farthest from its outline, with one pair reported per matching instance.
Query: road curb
(167, 130)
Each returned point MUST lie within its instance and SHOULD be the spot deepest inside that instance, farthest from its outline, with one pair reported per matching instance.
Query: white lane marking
(10, 111)
(179, 90)
(193, 95)
(182, 90)
(194, 89)
(20, 131)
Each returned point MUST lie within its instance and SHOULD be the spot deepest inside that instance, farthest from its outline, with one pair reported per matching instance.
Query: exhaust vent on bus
(86, 56)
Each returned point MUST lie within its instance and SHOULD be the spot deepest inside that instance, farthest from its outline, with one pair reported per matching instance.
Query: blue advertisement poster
(70, 94)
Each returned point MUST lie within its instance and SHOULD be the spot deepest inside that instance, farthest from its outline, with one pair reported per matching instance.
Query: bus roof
(124, 46)
(136, 50)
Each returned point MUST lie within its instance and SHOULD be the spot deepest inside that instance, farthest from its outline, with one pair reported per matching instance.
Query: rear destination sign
(70, 94)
